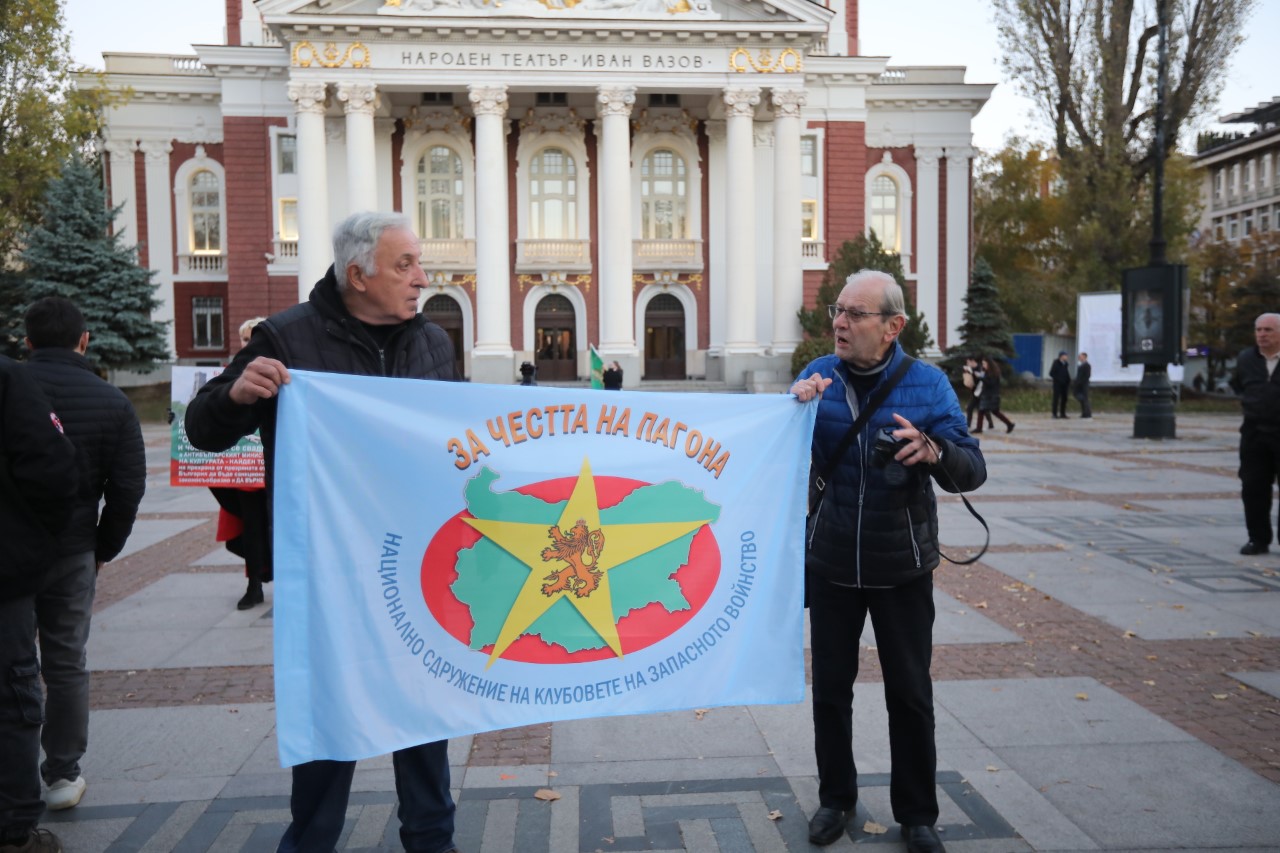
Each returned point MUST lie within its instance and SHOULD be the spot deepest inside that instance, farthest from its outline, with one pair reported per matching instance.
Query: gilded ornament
(788, 61)
(305, 53)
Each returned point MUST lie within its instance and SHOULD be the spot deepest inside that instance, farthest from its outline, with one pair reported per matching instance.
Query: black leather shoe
(1249, 548)
(827, 825)
(252, 596)
(922, 839)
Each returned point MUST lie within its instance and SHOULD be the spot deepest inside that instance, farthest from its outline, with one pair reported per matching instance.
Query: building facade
(1240, 184)
(663, 179)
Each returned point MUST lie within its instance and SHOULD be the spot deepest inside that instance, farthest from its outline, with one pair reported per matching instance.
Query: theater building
(664, 179)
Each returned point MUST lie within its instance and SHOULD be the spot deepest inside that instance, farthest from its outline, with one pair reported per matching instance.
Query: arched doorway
(447, 314)
(557, 351)
(664, 338)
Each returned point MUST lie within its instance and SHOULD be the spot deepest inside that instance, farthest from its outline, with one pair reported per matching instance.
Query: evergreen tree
(985, 329)
(70, 253)
(864, 252)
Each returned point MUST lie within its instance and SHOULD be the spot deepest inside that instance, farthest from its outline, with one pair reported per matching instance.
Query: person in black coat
(989, 399)
(1060, 373)
(38, 481)
(101, 423)
(612, 377)
(362, 319)
(1257, 382)
(1081, 386)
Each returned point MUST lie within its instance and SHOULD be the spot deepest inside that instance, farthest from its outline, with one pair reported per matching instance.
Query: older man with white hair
(1258, 384)
(872, 546)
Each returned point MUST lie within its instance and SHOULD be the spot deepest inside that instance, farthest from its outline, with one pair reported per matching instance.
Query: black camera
(882, 453)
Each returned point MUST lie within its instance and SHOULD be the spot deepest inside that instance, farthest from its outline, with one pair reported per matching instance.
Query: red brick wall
(250, 226)
(851, 25)
(844, 182)
(183, 333)
(233, 22)
(140, 195)
(397, 166)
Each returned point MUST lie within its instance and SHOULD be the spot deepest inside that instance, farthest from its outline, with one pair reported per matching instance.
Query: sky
(959, 32)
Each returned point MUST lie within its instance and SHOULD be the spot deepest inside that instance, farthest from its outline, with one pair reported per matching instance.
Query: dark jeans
(21, 713)
(321, 790)
(1082, 397)
(64, 607)
(1060, 399)
(903, 620)
(1259, 468)
(968, 414)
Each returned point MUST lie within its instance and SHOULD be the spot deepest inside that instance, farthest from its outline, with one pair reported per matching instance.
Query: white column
(762, 239)
(160, 229)
(788, 277)
(315, 251)
(360, 100)
(740, 200)
(617, 325)
(927, 225)
(123, 187)
(957, 241)
(493, 241)
(717, 237)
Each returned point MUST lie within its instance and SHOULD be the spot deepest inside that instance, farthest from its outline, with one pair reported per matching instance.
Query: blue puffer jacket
(865, 532)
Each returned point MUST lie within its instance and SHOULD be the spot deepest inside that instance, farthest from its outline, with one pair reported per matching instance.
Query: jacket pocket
(24, 681)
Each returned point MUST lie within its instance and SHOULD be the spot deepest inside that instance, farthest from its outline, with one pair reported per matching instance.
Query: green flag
(597, 368)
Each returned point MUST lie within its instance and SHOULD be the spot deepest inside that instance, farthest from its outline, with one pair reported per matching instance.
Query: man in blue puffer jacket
(872, 548)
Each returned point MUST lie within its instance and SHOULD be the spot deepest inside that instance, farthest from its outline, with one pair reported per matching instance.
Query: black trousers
(1060, 399)
(903, 620)
(1259, 469)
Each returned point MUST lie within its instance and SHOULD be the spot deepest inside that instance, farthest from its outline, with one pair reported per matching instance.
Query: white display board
(1098, 334)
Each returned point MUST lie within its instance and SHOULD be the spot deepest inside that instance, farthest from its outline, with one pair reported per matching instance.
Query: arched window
(664, 187)
(884, 212)
(440, 194)
(553, 195)
(206, 215)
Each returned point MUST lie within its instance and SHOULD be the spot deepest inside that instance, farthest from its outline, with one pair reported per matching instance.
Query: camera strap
(978, 556)
(819, 485)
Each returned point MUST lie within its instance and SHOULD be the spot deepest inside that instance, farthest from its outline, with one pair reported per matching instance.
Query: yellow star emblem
(611, 546)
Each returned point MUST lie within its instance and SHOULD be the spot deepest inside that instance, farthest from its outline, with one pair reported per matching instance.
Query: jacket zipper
(911, 531)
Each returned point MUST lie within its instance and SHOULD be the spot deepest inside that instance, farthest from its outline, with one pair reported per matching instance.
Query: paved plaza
(1106, 679)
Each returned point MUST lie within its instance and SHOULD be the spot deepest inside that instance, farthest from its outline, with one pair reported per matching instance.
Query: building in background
(1240, 188)
(665, 179)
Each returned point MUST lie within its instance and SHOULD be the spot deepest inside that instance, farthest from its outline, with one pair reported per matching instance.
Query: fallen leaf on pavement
(981, 605)
(506, 776)
(1128, 634)
(775, 815)
(1220, 696)
(1083, 697)
(546, 794)
(699, 713)
(873, 828)
(991, 768)
(1149, 683)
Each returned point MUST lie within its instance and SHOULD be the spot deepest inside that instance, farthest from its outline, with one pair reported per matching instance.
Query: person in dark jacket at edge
(101, 423)
(1060, 373)
(39, 478)
(1257, 382)
(872, 548)
(361, 318)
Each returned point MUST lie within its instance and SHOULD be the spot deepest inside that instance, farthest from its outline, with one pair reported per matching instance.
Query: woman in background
(989, 401)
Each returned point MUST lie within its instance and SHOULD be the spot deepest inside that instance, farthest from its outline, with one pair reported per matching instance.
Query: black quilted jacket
(101, 423)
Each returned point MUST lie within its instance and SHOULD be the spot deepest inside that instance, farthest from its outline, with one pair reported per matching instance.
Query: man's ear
(355, 277)
(30, 345)
(83, 344)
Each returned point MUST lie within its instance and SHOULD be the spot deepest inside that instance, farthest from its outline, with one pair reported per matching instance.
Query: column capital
(928, 156)
(741, 101)
(488, 100)
(308, 97)
(358, 98)
(762, 134)
(787, 103)
(156, 150)
(716, 129)
(120, 149)
(959, 155)
(615, 100)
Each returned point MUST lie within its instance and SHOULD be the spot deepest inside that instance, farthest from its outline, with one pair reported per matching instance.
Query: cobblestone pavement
(1113, 566)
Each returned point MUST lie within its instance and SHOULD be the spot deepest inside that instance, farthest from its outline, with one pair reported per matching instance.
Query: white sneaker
(65, 793)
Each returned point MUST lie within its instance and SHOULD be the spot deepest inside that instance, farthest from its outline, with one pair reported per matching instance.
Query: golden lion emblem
(581, 550)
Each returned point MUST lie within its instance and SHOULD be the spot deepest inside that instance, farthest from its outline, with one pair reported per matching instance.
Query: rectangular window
(437, 98)
(808, 155)
(1217, 185)
(1248, 176)
(1248, 224)
(206, 322)
(808, 220)
(1264, 221)
(287, 154)
(1233, 228)
(288, 219)
(553, 99)
(664, 99)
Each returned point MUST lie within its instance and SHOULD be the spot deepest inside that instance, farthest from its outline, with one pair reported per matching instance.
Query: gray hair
(892, 303)
(355, 239)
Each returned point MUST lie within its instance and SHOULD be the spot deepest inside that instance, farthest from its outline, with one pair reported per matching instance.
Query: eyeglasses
(853, 314)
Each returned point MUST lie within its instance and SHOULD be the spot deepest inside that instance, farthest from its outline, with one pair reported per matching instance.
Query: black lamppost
(1153, 295)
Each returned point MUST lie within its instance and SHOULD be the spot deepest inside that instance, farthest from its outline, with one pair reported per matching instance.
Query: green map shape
(490, 579)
